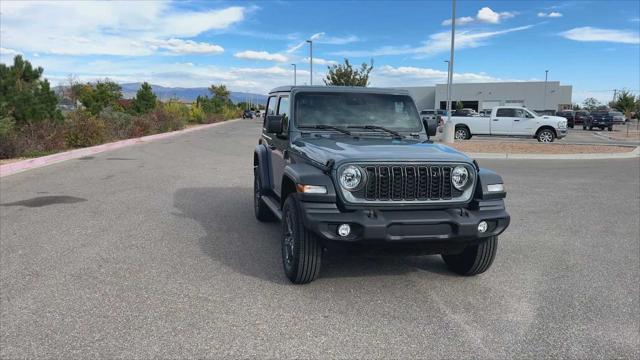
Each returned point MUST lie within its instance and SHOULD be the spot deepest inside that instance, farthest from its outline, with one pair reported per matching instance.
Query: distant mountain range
(188, 94)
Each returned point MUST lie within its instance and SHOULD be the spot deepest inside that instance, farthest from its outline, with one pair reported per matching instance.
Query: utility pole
(546, 73)
(295, 74)
(447, 134)
(310, 61)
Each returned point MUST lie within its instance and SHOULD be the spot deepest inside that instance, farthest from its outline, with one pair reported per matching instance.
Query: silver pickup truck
(511, 121)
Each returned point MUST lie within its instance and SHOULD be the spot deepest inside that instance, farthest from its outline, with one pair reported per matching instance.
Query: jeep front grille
(424, 183)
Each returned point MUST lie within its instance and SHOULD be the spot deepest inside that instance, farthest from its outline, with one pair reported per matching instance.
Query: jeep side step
(273, 206)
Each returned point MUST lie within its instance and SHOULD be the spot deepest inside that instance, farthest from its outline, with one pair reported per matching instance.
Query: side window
(271, 106)
(520, 113)
(505, 112)
(283, 109)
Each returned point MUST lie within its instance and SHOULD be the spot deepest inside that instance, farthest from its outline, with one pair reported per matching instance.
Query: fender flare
(306, 174)
(488, 177)
(261, 166)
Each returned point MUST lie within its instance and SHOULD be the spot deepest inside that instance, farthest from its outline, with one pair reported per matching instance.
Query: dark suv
(574, 117)
(347, 166)
(600, 119)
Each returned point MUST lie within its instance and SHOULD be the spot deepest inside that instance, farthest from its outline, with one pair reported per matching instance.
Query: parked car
(464, 112)
(433, 113)
(618, 117)
(347, 166)
(511, 121)
(247, 114)
(600, 119)
(485, 112)
(570, 115)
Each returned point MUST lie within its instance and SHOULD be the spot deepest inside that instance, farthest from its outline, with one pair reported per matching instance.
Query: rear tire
(462, 133)
(475, 259)
(610, 128)
(301, 249)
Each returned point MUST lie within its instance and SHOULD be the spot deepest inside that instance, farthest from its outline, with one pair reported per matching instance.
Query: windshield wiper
(326, 127)
(376, 127)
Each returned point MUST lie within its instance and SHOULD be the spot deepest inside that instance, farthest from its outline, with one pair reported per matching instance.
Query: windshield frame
(419, 126)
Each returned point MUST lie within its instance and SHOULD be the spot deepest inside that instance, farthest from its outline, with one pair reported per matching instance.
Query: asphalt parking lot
(153, 251)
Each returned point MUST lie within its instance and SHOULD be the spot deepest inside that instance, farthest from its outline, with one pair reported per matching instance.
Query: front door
(523, 123)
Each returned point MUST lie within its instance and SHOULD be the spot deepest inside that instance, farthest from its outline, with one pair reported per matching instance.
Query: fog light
(344, 230)
(482, 226)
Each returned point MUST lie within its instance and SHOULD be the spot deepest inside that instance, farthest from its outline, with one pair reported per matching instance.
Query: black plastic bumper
(457, 225)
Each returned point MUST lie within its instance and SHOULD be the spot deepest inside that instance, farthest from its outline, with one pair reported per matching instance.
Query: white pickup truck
(511, 121)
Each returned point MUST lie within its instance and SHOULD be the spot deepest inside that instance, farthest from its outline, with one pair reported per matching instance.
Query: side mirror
(430, 125)
(274, 124)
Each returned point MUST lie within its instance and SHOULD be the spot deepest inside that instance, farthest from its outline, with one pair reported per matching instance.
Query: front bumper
(562, 133)
(455, 225)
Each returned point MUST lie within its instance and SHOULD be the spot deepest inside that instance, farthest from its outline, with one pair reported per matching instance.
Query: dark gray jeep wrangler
(343, 166)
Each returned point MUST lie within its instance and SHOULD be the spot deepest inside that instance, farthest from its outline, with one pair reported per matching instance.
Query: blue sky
(592, 45)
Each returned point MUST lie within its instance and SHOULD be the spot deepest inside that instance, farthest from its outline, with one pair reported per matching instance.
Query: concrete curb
(627, 155)
(605, 136)
(24, 165)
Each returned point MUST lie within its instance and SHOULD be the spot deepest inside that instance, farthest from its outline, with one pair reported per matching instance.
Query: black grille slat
(371, 192)
(397, 183)
(434, 189)
(384, 183)
(411, 183)
(446, 182)
(423, 183)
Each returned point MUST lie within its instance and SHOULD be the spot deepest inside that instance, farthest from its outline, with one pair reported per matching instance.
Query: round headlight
(459, 177)
(351, 177)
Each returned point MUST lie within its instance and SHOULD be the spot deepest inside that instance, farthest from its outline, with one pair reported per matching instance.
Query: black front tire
(462, 133)
(546, 136)
(475, 259)
(301, 249)
(262, 212)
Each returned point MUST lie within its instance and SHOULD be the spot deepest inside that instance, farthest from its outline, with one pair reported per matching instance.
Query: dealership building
(535, 95)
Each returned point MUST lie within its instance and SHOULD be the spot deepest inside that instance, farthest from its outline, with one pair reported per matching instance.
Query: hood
(345, 148)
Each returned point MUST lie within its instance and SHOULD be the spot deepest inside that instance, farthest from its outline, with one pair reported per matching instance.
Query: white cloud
(553, 14)
(260, 55)
(320, 61)
(484, 15)
(588, 33)
(635, 19)
(460, 21)
(417, 76)
(6, 51)
(337, 40)
(179, 46)
(437, 43)
(108, 28)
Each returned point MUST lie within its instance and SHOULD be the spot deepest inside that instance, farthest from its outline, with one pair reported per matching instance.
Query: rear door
(502, 122)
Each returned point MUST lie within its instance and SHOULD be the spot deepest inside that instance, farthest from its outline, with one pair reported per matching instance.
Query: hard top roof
(354, 89)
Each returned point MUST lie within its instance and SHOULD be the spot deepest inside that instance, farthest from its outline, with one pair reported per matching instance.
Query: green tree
(220, 92)
(346, 75)
(575, 107)
(625, 102)
(145, 99)
(95, 97)
(591, 104)
(24, 96)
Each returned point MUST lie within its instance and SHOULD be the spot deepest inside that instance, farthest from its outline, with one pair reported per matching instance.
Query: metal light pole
(546, 73)
(295, 74)
(446, 106)
(447, 133)
(310, 62)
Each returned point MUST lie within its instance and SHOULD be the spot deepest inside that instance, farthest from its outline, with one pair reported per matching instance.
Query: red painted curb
(23, 165)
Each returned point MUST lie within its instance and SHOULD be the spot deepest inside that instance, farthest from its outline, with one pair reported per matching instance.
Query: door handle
(516, 119)
(496, 119)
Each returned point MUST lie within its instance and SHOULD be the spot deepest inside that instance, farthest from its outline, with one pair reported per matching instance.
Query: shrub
(7, 138)
(196, 114)
(118, 124)
(84, 129)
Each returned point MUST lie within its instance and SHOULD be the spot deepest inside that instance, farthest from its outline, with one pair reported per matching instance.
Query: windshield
(396, 112)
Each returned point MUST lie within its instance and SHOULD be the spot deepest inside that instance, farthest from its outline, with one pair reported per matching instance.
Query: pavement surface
(153, 251)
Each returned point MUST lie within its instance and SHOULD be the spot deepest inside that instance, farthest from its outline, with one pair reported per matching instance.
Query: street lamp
(546, 73)
(310, 61)
(447, 133)
(445, 105)
(295, 74)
